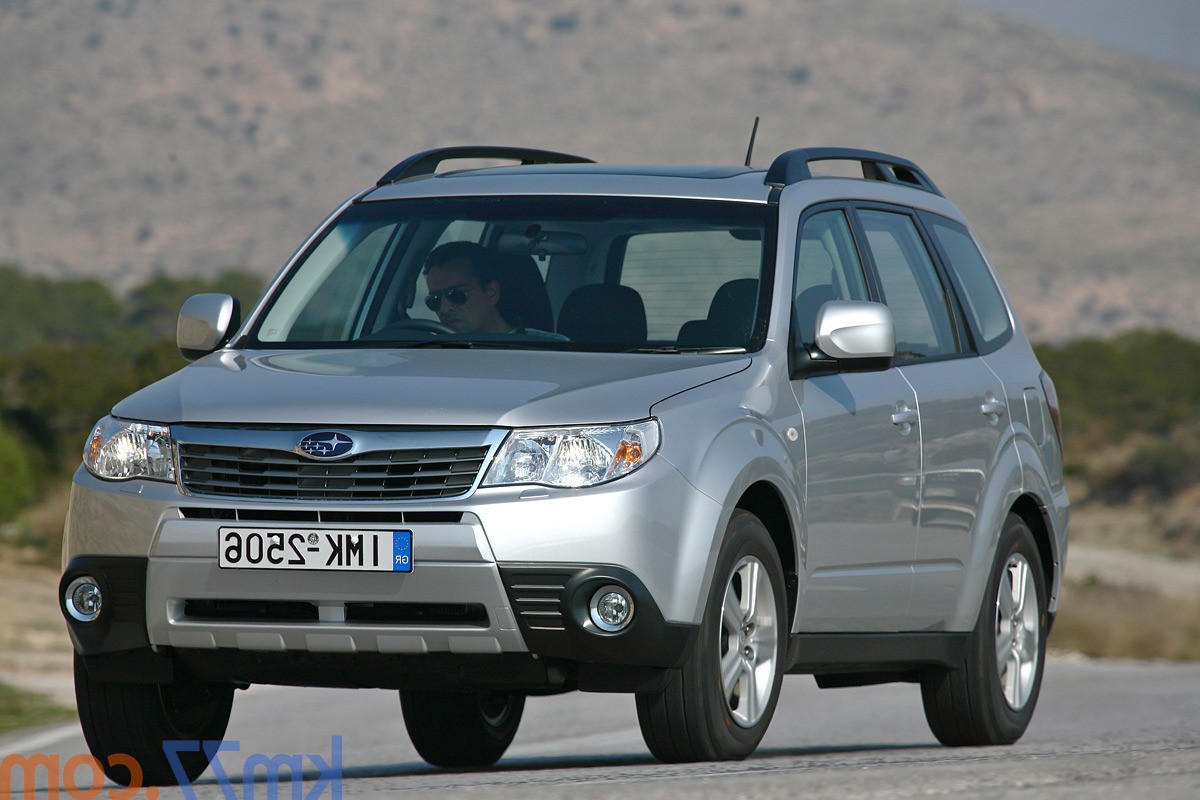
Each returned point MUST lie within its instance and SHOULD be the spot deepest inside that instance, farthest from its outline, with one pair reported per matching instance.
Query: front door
(863, 440)
(862, 443)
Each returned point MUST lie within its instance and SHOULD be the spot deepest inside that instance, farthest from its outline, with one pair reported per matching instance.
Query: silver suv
(510, 430)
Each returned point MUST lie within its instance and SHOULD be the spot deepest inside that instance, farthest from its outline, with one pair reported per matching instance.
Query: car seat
(604, 313)
(730, 317)
(524, 302)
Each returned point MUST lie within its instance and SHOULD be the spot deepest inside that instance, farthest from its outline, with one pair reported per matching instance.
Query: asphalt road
(1103, 729)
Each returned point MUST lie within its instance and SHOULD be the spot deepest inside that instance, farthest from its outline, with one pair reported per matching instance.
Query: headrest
(604, 312)
(523, 298)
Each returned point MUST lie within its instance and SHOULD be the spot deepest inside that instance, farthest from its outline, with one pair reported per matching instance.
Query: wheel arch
(764, 500)
(1033, 514)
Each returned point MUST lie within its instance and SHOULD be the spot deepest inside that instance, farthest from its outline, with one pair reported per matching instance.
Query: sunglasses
(457, 295)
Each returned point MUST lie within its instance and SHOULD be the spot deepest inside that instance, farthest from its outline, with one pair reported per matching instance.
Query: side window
(827, 268)
(322, 300)
(911, 286)
(984, 304)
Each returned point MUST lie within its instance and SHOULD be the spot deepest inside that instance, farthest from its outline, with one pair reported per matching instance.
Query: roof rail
(427, 162)
(792, 167)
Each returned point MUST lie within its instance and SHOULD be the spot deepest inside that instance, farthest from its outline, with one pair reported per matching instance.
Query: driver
(464, 289)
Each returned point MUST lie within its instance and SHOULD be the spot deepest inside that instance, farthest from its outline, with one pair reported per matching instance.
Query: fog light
(83, 599)
(611, 609)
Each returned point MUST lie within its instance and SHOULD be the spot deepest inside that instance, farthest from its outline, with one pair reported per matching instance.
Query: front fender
(743, 453)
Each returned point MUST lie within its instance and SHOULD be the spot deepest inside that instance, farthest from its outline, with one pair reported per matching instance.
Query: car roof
(654, 180)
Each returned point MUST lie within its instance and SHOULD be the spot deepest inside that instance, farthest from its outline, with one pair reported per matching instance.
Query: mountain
(166, 135)
(1165, 30)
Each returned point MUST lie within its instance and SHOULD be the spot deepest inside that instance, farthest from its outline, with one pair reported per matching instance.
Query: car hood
(505, 388)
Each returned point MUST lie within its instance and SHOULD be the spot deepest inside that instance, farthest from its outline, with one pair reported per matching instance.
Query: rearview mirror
(205, 323)
(538, 242)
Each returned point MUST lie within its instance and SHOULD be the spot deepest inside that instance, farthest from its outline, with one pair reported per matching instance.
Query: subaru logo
(325, 445)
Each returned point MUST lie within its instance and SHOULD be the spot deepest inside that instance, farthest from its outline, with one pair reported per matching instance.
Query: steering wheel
(416, 324)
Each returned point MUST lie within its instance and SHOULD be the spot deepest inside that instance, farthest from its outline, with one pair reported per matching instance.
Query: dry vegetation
(1170, 528)
(35, 650)
(1105, 621)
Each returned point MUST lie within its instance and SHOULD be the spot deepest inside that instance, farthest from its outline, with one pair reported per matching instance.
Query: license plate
(259, 548)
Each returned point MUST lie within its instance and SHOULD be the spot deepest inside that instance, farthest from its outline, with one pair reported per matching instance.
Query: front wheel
(461, 729)
(989, 699)
(718, 705)
(125, 725)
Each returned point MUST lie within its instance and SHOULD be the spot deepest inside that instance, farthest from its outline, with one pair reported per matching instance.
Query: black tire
(135, 719)
(699, 716)
(987, 701)
(461, 729)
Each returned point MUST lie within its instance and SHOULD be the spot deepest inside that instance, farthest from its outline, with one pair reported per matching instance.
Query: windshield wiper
(670, 348)
(453, 344)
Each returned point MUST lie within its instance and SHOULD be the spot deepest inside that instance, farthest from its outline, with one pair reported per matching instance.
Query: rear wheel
(990, 698)
(135, 719)
(719, 704)
(461, 729)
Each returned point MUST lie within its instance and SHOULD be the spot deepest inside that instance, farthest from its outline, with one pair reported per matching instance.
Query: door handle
(992, 408)
(904, 417)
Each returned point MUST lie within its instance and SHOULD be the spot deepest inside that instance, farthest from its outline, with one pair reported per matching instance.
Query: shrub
(1148, 468)
(16, 477)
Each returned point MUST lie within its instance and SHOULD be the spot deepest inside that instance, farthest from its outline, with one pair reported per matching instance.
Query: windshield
(574, 273)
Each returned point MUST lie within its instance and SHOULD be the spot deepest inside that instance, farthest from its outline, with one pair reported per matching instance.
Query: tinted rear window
(984, 305)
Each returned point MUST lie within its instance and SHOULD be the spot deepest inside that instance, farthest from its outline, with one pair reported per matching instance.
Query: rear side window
(985, 306)
(911, 287)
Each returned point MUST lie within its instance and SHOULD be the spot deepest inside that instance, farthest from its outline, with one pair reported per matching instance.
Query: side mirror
(206, 322)
(855, 330)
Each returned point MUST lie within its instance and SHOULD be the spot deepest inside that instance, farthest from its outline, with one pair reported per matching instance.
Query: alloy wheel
(1018, 630)
(749, 639)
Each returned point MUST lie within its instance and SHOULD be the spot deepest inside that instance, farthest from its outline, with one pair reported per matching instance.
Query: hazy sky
(1167, 30)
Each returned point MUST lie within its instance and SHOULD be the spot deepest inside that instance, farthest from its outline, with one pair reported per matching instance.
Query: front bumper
(466, 601)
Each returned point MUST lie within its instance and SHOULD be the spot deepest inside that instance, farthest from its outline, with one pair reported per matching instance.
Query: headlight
(571, 457)
(119, 449)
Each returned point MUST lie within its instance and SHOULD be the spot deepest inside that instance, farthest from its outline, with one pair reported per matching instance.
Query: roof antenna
(750, 149)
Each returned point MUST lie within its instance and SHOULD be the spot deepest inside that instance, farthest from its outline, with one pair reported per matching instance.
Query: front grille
(226, 471)
(251, 610)
(324, 516)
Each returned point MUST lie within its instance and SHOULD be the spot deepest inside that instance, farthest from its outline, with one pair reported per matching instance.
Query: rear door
(962, 405)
